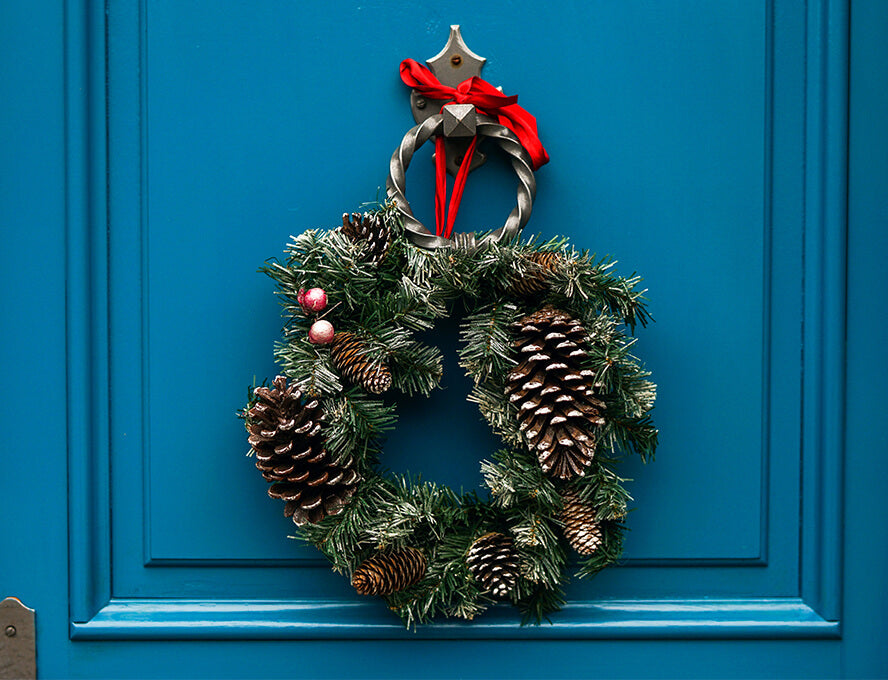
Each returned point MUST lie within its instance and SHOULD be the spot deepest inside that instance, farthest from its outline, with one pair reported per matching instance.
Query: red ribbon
(486, 98)
(489, 101)
(443, 224)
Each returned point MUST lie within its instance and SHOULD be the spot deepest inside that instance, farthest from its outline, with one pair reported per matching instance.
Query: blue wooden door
(154, 154)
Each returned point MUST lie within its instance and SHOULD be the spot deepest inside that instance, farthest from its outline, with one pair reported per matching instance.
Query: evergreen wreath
(544, 339)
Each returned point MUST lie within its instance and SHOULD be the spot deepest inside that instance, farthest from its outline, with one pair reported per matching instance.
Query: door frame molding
(96, 614)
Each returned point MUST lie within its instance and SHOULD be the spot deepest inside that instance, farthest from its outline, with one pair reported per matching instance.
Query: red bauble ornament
(312, 300)
(321, 332)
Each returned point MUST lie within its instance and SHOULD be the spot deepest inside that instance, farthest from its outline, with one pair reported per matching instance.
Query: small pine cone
(368, 228)
(541, 264)
(388, 572)
(350, 357)
(285, 434)
(493, 561)
(558, 407)
(581, 529)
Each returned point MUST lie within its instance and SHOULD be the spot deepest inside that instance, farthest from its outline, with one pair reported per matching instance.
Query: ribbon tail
(458, 185)
(440, 185)
(524, 125)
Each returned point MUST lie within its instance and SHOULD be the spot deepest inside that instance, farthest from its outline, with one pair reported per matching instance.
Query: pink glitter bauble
(321, 332)
(313, 300)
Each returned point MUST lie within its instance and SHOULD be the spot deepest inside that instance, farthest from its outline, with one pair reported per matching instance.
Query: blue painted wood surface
(704, 145)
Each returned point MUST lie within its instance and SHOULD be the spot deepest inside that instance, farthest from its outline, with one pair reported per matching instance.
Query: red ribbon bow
(489, 101)
(486, 98)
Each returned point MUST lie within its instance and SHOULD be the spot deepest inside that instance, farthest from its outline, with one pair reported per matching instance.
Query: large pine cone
(369, 228)
(581, 529)
(493, 561)
(388, 572)
(285, 434)
(557, 404)
(350, 356)
(541, 264)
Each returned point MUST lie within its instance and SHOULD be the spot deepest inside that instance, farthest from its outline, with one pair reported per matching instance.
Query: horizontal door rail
(154, 619)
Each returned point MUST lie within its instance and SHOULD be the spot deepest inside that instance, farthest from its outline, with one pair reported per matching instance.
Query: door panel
(242, 149)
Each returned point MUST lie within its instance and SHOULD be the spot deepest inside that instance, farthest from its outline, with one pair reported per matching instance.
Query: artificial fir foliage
(555, 396)
(389, 572)
(493, 561)
(285, 436)
(576, 308)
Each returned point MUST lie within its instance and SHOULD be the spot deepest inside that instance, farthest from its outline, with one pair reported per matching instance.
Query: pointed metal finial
(456, 62)
(452, 65)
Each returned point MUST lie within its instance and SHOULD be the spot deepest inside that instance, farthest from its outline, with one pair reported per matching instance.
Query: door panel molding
(87, 343)
(826, 214)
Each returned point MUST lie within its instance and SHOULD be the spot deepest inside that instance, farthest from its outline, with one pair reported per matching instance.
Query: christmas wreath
(543, 338)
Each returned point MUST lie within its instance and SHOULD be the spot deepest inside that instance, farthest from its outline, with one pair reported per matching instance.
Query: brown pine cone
(541, 265)
(285, 434)
(369, 228)
(388, 572)
(350, 356)
(581, 529)
(493, 561)
(558, 407)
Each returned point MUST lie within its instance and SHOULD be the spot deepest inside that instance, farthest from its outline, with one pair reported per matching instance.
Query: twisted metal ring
(506, 140)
